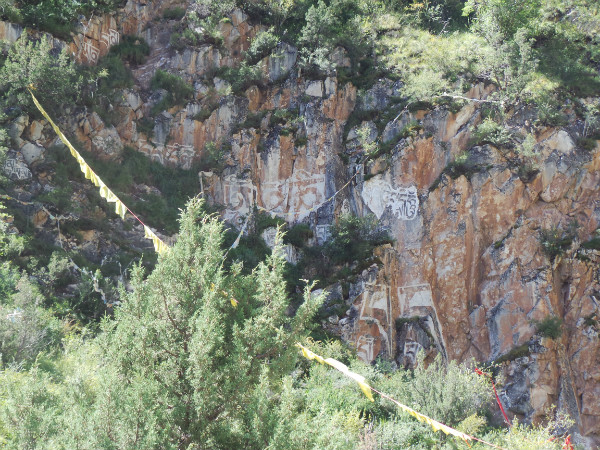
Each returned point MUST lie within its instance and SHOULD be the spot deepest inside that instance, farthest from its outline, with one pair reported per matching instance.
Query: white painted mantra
(90, 51)
(15, 169)
(378, 194)
(109, 39)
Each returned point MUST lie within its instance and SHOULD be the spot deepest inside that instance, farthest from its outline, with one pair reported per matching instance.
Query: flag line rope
(120, 208)
(160, 247)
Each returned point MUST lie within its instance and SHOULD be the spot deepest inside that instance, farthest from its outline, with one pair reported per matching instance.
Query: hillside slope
(490, 203)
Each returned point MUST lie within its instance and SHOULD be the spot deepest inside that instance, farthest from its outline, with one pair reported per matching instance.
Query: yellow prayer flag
(362, 383)
(120, 208)
(148, 235)
(94, 179)
(110, 196)
(342, 368)
(367, 390)
(336, 364)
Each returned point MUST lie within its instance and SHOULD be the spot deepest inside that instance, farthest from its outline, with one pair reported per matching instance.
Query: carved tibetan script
(109, 39)
(378, 194)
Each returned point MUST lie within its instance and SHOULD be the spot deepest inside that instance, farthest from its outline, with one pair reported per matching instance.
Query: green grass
(491, 132)
(241, 77)
(264, 220)
(132, 49)
(253, 120)
(462, 165)
(592, 244)
(175, 13)
(204, 114)
(175, 185)
(146, 126)
(178, 91)
(550, 327)
(298, 235)
(588, 144)
(119, 76)
(555, 241)
(515, 353)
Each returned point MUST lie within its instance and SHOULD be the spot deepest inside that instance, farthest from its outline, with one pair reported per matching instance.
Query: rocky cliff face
(467, 276)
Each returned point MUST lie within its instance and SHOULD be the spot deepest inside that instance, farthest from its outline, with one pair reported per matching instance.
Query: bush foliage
(132, 49)
(48, 70)
(178, 366)
(178, 91)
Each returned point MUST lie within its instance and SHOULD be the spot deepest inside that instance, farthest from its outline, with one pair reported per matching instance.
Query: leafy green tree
(48, 70)
(502, 17)
(9, 11)
(198, 357)
(339, 23)
(26, 327)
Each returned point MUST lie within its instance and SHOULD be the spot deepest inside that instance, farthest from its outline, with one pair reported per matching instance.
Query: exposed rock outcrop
(467, 275)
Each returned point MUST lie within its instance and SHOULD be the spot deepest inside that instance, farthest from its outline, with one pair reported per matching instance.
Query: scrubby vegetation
(165, 360)
(556, 241)
(58, 17)
(550, 327)
(177, 90)
(179, 366)
(132, 49)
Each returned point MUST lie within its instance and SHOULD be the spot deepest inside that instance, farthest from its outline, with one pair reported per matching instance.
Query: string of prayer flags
(242, 231)
(434, 424)
(342, 368)
(356, 377)
(367, 389)
(120, 209)
(159, 246)
(309, 354)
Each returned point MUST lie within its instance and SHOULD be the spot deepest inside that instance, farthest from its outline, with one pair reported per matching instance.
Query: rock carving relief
(239, 196)
(109, 39)
(416, 300)
(90, 52)
(16, 170)
(411, 350)
(365, 347)
(295, 196)
(374, 325)
(322, 233)
(378, 195)
(153, 152)
(180, 154)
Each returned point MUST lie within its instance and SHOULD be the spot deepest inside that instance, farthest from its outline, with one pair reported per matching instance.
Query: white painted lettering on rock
(378, 194)
(374, 325)
(109, 39)
(16, 170)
